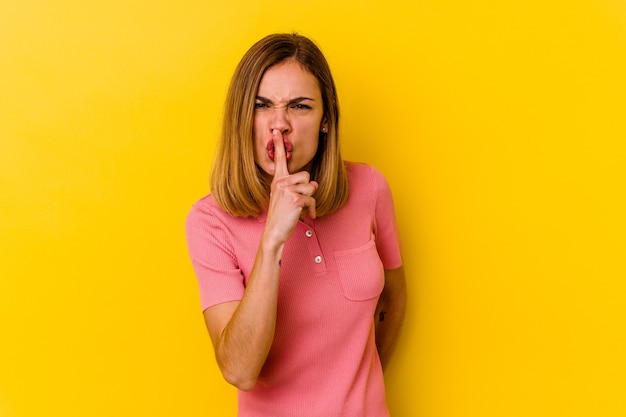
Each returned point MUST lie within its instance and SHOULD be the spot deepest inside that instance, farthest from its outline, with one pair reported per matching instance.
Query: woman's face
(289, 99)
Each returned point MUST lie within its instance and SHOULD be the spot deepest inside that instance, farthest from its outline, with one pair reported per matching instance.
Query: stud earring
(324, 129)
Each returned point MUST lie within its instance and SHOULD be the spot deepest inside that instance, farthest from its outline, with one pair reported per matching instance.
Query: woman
(296, 252)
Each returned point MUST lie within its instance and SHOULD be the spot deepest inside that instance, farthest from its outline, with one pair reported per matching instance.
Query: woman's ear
(324, 126)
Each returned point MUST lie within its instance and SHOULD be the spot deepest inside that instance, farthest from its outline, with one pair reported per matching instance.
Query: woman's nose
(280, 119)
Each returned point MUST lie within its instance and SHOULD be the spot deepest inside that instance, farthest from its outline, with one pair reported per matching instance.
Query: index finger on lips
(280, 155)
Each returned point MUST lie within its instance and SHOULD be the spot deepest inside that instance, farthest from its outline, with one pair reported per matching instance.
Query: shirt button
(318, 259)
(308, 233)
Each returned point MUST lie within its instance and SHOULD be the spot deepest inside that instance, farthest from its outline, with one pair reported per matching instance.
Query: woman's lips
(288, 149)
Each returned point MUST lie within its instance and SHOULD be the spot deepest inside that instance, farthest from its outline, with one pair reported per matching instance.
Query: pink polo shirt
(323, 361)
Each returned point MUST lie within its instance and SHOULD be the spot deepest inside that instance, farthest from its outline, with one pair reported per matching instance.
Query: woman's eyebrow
(299, 99)
(293, 100)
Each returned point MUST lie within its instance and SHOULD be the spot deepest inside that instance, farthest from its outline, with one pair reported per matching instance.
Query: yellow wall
(500, 126)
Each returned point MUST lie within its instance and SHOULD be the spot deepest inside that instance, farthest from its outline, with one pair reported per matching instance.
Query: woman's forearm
(243, 345)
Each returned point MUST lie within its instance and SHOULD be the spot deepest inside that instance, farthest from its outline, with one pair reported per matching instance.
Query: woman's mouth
(288, 149)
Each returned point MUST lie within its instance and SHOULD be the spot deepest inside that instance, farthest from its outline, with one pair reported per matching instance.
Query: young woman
(296, 251)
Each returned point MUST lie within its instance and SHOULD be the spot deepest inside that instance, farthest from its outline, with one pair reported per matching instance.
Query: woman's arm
(389, 314)
(242, 332)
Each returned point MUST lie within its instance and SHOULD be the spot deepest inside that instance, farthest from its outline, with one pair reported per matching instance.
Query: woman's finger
(280, 155)
(307, 189)
(308, 207)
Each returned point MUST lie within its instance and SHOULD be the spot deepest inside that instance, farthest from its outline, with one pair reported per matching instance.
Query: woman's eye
(260, 106)
(300, 107)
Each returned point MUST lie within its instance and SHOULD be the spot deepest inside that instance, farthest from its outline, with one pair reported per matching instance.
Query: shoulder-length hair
(238, 185)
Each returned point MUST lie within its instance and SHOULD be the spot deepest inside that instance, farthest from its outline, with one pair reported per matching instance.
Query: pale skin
(242, 332)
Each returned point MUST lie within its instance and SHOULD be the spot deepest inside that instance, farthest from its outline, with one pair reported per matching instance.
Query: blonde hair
(238, 185)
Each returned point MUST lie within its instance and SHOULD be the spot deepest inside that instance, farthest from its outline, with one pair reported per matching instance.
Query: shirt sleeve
(385, 227)
(219, 277)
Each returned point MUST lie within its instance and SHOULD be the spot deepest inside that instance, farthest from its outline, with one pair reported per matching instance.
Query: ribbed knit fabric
(323, 361)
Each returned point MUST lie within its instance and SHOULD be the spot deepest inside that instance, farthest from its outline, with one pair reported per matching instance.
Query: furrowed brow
(300, 99)
(292, 101)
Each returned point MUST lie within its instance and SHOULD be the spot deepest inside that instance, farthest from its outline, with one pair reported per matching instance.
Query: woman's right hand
(290, 196)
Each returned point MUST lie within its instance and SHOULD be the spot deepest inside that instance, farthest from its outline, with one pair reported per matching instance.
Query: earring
(324, 129)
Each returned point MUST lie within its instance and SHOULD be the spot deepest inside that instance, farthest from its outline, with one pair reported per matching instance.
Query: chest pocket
(361, 272)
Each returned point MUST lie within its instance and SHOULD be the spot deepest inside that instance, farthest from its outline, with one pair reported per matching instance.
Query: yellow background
(501, 127)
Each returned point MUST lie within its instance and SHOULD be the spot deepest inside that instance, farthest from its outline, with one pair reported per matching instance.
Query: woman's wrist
(270, 248)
